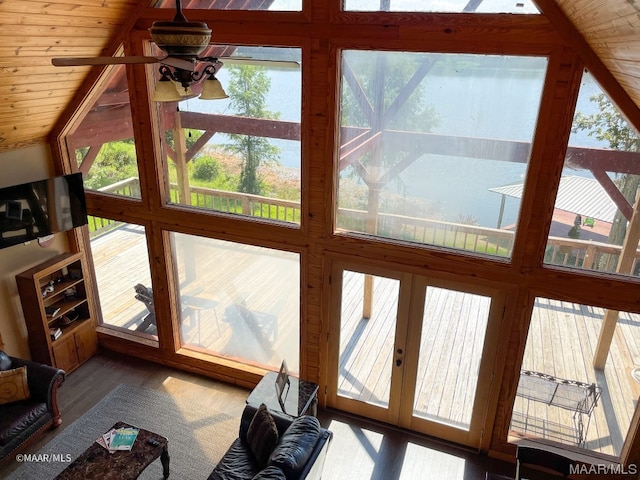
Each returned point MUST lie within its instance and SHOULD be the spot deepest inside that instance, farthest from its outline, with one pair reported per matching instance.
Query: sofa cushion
(296, 445)
(5, 361)
(18, 417)
(237, 463)
(270, 473)
(262, 435)
(13, 385)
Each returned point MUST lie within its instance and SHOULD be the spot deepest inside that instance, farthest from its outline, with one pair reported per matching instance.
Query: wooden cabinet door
(64, 353)
(86, 342)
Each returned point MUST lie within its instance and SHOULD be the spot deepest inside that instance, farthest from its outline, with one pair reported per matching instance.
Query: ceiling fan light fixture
(181, 38)
(166, 91)
(212, 89)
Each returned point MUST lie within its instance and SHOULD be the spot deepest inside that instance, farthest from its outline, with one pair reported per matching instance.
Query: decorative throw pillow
(262, 435)
(13, 385)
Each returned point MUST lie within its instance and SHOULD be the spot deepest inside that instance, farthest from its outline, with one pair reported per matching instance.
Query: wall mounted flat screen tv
(36, 209)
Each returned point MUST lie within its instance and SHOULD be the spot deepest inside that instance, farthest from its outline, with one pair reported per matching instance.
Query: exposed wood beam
(242, 125)
(406, 91)
(89, 158)
(359, 145)
(199, 143)
(614, 193)
(358, 91)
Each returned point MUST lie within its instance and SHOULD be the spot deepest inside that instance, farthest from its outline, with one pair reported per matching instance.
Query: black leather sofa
(23, 421)
(298, 455)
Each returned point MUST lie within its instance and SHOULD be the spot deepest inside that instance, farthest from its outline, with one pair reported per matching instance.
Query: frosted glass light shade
(166, 92)
(212, 90)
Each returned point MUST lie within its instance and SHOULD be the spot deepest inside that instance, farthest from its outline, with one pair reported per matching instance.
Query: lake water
(455, 186)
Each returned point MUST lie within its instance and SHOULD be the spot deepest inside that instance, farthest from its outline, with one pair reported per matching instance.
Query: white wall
(20, 166)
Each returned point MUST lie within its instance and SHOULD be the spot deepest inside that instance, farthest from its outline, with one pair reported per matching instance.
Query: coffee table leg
(164, 458)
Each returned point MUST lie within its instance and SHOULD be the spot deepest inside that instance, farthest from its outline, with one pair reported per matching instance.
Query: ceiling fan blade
(88, 61)
(260, 62)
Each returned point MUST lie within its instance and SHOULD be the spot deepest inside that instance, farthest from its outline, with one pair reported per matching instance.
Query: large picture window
(450, 6)
(596, 204)
(121, 262)
(272, 5)
(239, 154)
(239, 301)
(102, 144)
(425, 140)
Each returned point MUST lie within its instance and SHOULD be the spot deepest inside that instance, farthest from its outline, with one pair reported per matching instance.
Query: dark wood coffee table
(97, 463)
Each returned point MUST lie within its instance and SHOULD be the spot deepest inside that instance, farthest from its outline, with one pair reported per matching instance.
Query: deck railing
(129, 187)
(568, 252)
(243, 203)
(434, 232)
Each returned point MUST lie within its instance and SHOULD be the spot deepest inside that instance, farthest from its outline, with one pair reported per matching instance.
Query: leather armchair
(23, 421)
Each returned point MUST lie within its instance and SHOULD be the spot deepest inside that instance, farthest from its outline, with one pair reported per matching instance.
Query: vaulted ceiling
(35, 94)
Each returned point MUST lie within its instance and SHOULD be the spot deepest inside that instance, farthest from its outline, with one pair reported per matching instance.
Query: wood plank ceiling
(34, 93)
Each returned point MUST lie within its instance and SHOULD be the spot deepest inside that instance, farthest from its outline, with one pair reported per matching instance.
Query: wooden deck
(237, 318)
(561, 342)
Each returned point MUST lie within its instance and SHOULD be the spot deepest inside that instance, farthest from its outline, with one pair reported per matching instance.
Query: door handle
(399, 351)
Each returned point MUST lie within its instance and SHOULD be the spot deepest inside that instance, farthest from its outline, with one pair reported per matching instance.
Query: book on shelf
(55, 332)
(118, 439)
(51, 311)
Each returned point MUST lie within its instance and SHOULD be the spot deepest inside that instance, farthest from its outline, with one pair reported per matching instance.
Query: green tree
(607, 125)
(247, 89)
(373, 82)
(191, 137)
(116, 161)
(205, 168)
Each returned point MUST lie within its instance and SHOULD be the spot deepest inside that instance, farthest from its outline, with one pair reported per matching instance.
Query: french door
(413, 351)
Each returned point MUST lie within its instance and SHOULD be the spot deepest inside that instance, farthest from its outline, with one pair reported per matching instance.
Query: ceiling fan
(182, 41)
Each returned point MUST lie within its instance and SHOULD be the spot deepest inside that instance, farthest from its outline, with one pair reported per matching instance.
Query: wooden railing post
(625, 263)
(589, 257)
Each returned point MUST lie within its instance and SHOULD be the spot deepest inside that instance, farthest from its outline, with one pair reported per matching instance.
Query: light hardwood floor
(360, 450)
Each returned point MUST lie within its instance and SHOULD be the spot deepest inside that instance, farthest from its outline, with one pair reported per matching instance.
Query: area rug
(198, 437)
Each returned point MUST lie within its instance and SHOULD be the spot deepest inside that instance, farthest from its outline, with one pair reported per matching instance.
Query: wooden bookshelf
(58, 283)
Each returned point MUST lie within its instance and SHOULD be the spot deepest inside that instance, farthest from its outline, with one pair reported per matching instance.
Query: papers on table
(118, 439)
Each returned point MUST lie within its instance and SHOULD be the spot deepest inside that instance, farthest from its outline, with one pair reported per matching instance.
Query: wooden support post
(180, 146)
(501, 214)
(625, 264)
(372, 227)
(367, 297)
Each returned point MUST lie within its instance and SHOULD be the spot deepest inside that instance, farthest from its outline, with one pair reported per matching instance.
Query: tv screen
(36, 209)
